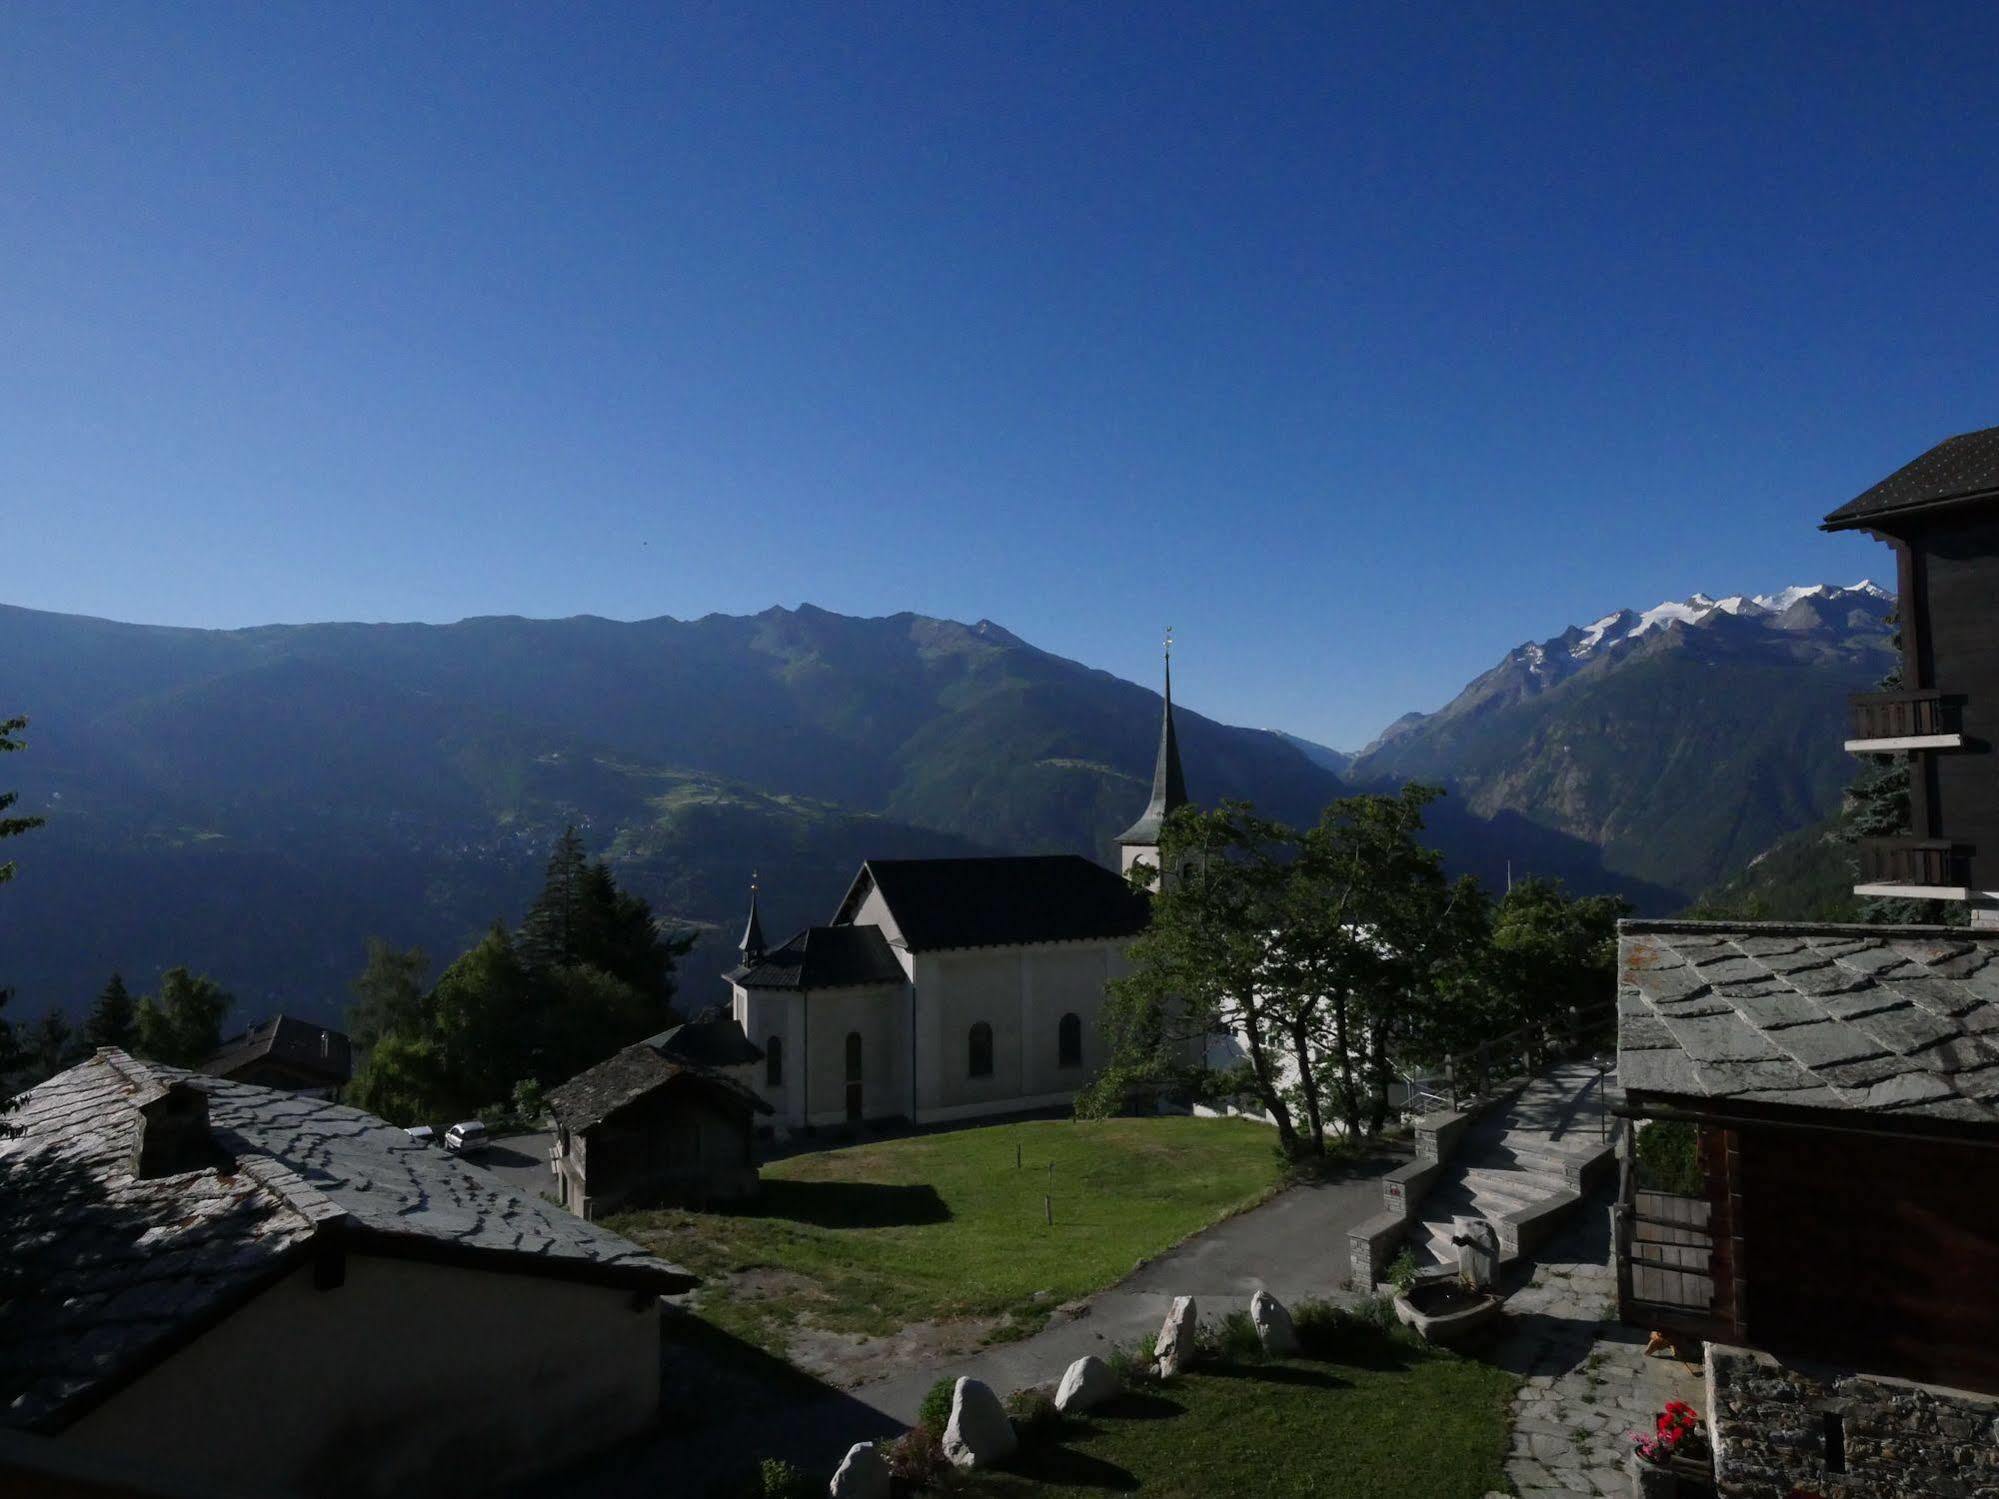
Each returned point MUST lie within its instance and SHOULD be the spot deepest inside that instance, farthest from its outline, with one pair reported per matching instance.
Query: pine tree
(113, 1019)
(553, 934)
(12, 1055)
(388, 994)
(182, 1026)
(51, 1045)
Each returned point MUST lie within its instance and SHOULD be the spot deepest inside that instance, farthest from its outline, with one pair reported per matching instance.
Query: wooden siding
(1672, 1252)
(1878, 1254)
(1956, 570)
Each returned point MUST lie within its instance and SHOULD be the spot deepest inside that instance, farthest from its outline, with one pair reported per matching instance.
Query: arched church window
(853, 1056)
(1069, 1041)
(774, 1062)
(980, 1062)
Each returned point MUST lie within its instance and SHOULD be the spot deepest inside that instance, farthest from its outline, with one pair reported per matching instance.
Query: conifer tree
(182, 1025)
(12, 1056)
(113, 1019)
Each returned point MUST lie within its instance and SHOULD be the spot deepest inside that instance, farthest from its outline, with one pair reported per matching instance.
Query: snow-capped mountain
(1682, 740)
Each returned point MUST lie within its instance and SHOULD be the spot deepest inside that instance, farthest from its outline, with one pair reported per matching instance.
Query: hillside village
(1275, 1156)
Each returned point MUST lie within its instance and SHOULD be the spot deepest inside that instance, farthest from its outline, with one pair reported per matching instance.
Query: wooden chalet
(1941, 515)
(1838, 1245)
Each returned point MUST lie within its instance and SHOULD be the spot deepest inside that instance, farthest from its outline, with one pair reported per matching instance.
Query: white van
(467, 1137)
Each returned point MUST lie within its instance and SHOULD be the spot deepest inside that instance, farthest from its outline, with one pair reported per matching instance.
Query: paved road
(1294, 1246)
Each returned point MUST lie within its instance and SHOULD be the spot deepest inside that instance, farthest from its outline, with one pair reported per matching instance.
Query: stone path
(1587, 1381)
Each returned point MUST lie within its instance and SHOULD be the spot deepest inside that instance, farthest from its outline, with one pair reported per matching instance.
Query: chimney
(173, 1134)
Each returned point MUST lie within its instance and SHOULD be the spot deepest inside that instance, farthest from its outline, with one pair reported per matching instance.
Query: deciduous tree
(182, 1024)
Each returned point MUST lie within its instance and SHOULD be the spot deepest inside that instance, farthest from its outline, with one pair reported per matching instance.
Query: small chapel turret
(1140, 841)
(752, 945)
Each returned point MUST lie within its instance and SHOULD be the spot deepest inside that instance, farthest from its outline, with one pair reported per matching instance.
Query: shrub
(1346, 1333)
(1402, 1272)
(778, 1479)
(935, 1412)
(1035, 1418)
(1232, 1340)
(1133, 1364)
(917, 1459)
(1668, 1153)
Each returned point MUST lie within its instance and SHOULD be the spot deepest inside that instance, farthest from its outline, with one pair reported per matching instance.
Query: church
(950, 988)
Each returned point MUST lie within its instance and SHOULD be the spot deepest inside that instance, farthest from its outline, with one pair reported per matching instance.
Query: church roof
(1169, 785)
(1958, 470)
(824, 957)
(753, 929)
(710, 1039)
(996, 902)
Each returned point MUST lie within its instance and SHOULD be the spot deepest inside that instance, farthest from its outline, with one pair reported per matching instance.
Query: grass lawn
(874, 1237)
(1404, 1424)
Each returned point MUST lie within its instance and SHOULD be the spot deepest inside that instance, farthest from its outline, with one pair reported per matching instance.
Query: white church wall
(880, 1016)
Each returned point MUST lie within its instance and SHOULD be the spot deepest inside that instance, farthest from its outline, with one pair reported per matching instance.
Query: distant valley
(257, 803)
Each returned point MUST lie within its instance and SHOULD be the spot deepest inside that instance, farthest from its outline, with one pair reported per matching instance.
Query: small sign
(1394, 1192)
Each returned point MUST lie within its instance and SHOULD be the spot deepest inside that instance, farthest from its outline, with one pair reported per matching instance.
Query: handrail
(1530, 1042)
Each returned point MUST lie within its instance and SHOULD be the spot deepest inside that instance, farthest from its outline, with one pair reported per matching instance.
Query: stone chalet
(289, 1053)
(669, 1119)
(229, 1289)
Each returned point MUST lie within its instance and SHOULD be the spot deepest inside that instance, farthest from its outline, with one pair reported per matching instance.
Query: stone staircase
(1522, 1166)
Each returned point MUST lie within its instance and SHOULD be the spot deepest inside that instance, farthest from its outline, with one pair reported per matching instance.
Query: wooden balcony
(1918, 868)
(1884, 722)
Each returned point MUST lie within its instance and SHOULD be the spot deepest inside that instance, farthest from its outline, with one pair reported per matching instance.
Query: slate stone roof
(103, 1274)
(287, 1039)
(824, 957)
(994, 902)
(1958, 469)
(1900, 1021)
(596, 1093)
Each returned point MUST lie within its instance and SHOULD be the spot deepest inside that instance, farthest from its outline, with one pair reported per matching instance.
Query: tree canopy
(182, 1024)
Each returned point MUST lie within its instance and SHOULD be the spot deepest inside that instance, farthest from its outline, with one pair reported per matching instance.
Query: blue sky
(1357, 344)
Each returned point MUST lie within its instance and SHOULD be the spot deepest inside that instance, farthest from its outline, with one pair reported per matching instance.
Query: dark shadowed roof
(993, 902)
(1892, 1021)
(592, 1096)
(824, 957)
(121, 1271)
(1956, 471)
(710, 1039)
(1169, 784)
(291, 1041)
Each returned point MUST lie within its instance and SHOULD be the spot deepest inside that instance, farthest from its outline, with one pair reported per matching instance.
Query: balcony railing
(1921, 719)
(1931, 863)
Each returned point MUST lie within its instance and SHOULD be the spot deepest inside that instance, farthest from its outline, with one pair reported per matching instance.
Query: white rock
(1175, 1348)
(1273, 1324)
(863, 1475)
(1087, 1382)
(979, 1432)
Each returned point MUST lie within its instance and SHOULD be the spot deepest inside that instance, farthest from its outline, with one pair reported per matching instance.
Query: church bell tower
(1140, 842)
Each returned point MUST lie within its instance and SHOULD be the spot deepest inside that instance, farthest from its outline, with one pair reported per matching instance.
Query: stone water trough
(1449, 1309)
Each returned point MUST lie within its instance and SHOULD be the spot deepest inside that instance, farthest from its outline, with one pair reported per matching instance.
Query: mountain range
(257, 803)
(1682, 741)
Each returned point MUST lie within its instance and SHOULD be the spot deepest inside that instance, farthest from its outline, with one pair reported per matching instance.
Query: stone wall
(1902, 1440)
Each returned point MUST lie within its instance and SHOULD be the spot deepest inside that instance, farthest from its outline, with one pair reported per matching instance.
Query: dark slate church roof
(1899, 1022)
(995, 902)
(710, 1039)
(1169, 783)
(291, 1041)
(103, 1274)
(1959, 469)
(824, 957)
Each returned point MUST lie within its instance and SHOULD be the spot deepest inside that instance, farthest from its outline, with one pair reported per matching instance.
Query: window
(853, 1056)
(774, 1062)
(980, 1063)
(1069, 1042)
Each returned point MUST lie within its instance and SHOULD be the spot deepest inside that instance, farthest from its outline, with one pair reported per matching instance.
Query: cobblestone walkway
(1587, 1383)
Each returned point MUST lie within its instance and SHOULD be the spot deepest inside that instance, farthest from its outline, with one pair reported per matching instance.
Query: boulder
(863, 1475)
(1273, 1325)
(1087, 1382)
(1175, 1348)
(979, 1433)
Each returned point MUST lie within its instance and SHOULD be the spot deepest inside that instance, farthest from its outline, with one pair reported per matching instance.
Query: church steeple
(1169, 784)
(752, 944)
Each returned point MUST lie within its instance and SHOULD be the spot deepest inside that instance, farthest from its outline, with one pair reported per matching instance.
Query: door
(853, 1077)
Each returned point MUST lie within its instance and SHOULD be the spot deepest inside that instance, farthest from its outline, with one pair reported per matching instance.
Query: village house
(950, 989)
(289, 1053)
(236, 1290)
(668, 1120)
(1842, 1085)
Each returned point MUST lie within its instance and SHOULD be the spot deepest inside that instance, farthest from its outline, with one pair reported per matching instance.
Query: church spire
(1169, 784)
(753, 933)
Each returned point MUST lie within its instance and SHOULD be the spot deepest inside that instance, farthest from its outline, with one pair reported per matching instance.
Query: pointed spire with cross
(1169, 784)
(753, 932)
